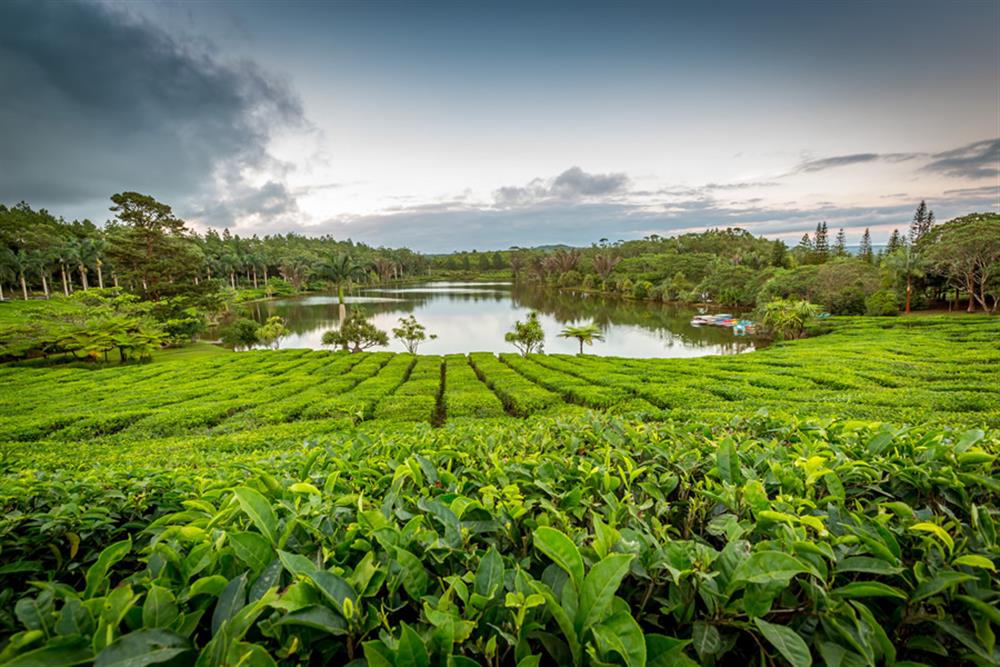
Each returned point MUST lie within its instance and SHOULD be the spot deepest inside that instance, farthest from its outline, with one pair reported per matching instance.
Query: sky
(457, 125)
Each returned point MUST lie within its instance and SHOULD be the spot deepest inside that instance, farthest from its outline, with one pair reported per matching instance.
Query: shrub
(882, 303)
(240, 333)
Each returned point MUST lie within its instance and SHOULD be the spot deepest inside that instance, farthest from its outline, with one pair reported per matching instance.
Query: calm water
(473, 317)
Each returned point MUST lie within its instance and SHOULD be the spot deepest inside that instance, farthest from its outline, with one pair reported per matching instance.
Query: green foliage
(585, 333)
(527, 336)
(231, 508)
(273, 331)
(785, 319)
(240, 333)
(567, 540)
(356, 333)
(882, 303)
(411, 333)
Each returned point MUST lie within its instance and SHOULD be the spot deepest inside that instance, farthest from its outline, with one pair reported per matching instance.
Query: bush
(883, 303)
(240, 333)
(641, 290)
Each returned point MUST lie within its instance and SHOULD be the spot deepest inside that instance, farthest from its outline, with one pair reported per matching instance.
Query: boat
(700, 320)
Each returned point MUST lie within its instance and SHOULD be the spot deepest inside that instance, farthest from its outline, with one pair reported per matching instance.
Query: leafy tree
(527, 336)
(357, 334)
(779, 254)
(498, 262)
(966, 251)
(411, 333)
(484, 262)
(906, 264)
(586, 333)
(605, 263)
(272, 331)
(786, 319)
(240, 333)
(882, 303)
(149, 243)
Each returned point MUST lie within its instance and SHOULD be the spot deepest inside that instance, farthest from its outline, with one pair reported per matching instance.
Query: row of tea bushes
(520, 396)
(577, 540)
(465, 395)
(417, 398)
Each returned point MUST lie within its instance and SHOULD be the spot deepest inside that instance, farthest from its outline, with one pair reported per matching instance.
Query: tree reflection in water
(471, 317)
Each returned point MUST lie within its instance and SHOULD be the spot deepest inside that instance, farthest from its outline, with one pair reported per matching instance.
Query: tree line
(923, 265)
(147, 250)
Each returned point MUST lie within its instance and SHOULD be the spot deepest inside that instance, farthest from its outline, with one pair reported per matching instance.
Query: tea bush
(299, 507)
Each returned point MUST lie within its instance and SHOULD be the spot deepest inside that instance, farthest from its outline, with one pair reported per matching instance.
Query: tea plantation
(830, 501)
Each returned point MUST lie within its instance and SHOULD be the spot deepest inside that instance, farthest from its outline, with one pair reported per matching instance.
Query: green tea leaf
(411, 651)
(98, 572)
(765, 567)
(489, 574)
(868, 589)
(619, 633)
(260, 512)
(940, 582)
(975, 560)
(148, 646)
(253, 549)
(160, 609)
(788, 642)
(728, 462)
(562, 551)
(412, 573)
(599, 589)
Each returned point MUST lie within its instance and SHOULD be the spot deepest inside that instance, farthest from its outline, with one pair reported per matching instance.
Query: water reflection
(470, 317)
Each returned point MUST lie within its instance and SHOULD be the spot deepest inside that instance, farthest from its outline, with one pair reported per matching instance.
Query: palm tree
(341, 269)
(41, 262)
(586, 333)
(21, 265)
(8, 270)
(604, 264)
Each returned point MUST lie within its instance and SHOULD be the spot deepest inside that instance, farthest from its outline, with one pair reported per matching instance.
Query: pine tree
(866, 246)
(930, 223)
(895, 242)
(840, 246)
(805, 244)
(821, 245)
(919, 226)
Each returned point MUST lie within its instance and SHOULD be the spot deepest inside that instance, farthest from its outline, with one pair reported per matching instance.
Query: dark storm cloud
(823, 164)
(980, 159)
(96, 102)
(572, 185)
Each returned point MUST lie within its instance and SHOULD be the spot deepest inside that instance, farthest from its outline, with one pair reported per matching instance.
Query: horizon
(446, 127)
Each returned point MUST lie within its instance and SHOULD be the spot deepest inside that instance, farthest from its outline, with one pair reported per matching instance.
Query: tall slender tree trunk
(265, 274)
(100, 275)
(45, 285)
(908, 289)
(62, 271)
(255, 277)
(232, 279)
(24, 286)
(581, 346)
(1, 292)
(83, 277)
(114, 277)
(196, 279)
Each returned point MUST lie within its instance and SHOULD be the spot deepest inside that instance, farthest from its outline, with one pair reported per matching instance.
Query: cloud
(822, 164)
(97, 101)
(572, 185)
(980, 159)
(455, 225)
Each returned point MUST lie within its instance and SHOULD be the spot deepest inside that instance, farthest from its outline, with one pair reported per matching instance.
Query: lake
(473, 317)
